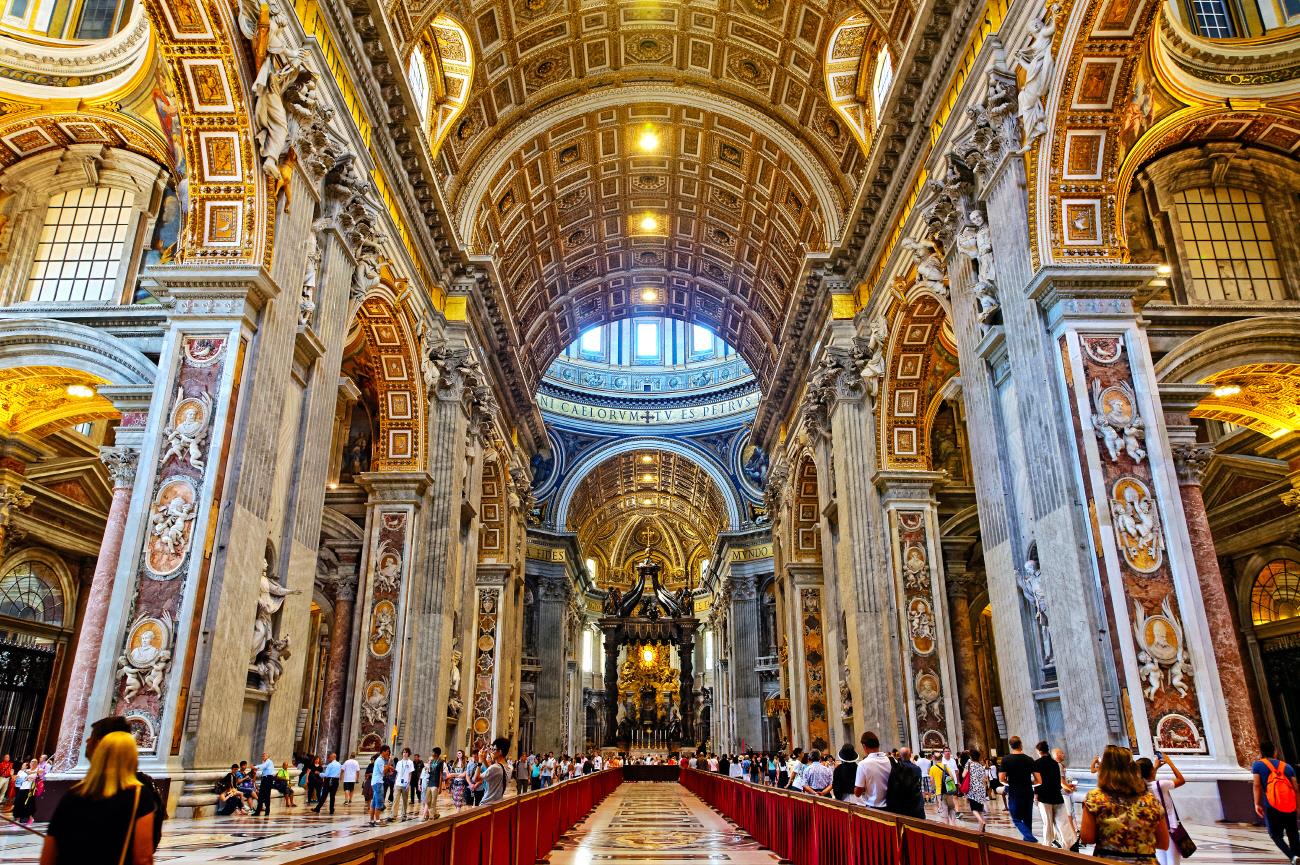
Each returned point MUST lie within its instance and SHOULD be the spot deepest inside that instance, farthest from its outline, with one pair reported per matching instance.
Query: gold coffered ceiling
(35, 399)
(756, 171)
(625, 501)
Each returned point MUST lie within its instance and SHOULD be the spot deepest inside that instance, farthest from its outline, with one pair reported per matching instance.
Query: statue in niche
(188, 431)
(1039, 66)
(846, 691)
(270, 599)
(455, 666)
(279, 66)
(307, 303)
(1030, 580)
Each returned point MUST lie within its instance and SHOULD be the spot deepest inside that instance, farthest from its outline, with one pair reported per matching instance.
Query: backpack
(902, 790)
(1278, 790)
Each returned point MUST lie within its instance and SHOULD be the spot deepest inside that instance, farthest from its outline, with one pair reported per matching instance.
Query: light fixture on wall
(1227, 390)
(649, 295)
(1164, 269)
(80, 391)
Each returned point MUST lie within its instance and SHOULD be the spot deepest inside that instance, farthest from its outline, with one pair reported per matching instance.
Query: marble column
(1191, 458)
(746, 698)
(121, 461)
(611, 687)
(687, 652)
(922, 609)
(337, 662)
(960, 586)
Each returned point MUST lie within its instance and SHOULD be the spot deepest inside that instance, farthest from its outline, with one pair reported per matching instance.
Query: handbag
(130, 829)
(1177, 834)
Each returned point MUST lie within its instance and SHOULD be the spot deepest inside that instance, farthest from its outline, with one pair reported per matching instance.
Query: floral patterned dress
(1126, 828)
(458, 785)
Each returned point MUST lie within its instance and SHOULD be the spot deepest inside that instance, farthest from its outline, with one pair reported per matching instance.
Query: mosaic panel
(384, 616)
(921, 624)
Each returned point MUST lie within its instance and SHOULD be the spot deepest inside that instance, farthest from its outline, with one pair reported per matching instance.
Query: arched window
(30, 591)
(591, 568)
(1276, 593)
(80, 252)
(417, 72)
(881, 81)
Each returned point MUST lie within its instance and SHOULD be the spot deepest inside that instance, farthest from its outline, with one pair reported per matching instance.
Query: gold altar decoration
(649, 666)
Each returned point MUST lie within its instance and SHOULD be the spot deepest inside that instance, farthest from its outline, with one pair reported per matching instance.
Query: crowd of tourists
(397, 787)
(1128, 815)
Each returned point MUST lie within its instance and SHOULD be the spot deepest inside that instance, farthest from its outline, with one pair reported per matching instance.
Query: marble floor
(657, 824)
(639, 824)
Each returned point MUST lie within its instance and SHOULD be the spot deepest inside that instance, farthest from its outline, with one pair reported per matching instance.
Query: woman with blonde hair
(1121, 816)
(104, 820)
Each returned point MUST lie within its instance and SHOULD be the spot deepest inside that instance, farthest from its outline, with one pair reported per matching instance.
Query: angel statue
(270, 598)
(929, 267)
(1162, 653)
(1116, 421)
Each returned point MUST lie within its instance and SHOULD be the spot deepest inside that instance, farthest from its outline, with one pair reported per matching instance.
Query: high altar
(647, 699)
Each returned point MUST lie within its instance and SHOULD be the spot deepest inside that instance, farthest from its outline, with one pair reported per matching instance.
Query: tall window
(1228, 245)
(591, 568)
(31, 591)
(90, 19)
(79, 256)
(701, 339)
(590, 341)
(418, 74)
(1276, 593)
(708, 650)
(586, 651)
(882, 80)
(647, 340)
(704, 569)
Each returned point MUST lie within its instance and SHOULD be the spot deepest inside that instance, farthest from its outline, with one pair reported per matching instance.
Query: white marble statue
(185, 436)
(1031, 586)
(169, 522)
(270, 599)
(307, 303)
(975, 241)
(1039, 66)
(455, 671)
(279, 65)
(1116, 421)
(929, 267)
(270, 663)
(1162, 653)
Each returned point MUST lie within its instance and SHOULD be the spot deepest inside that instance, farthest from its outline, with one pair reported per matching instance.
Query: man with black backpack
(1276, 792)
(903, 790)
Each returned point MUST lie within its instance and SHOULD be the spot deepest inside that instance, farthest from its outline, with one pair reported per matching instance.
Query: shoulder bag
(130, 826)
(1177, 834)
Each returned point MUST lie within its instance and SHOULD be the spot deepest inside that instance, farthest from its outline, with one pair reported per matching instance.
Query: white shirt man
(598, 763)
(402, 785)
(873, 773)
(351, 769)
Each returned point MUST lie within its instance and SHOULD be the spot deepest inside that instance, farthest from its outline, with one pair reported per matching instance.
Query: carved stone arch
(384, 333)
(1268, 339)
(40, 359)
(921, 357)
(449, 67)
(805, 506)
(850, 68)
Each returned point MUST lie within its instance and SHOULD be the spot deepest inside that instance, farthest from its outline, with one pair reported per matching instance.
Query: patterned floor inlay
(657, 824)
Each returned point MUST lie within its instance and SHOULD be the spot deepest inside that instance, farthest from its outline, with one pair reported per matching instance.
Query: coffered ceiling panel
(757, 168)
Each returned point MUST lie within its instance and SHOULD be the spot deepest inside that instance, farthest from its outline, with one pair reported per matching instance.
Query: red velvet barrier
(471, 838)
(526, 836)
(433, 849)
(505, 826)
(810, 830)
